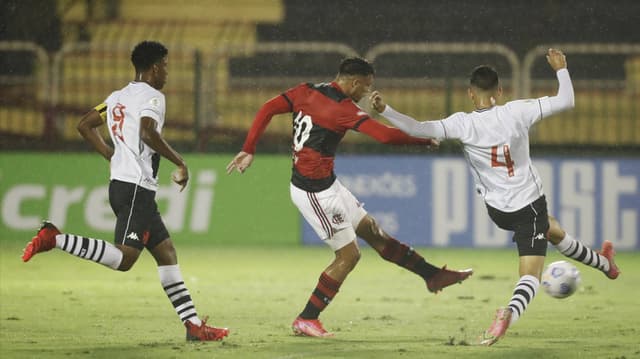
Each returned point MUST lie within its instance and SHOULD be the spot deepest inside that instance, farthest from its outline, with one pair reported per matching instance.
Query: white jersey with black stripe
(133, 161)
(496, 145)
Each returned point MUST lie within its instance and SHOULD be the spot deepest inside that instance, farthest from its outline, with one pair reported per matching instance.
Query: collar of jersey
(484, 109)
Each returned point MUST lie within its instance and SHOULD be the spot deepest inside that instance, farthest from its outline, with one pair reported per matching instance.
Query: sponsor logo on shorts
(133, 236)
(337, 219)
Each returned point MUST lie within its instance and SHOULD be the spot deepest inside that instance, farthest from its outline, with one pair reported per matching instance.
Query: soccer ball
(560, 279)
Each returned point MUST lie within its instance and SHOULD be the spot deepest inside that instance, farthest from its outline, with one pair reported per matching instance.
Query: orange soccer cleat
(608, 252)
(309, 328)
(43, 241)
(204, 332)
(444, 278)
(498, 328)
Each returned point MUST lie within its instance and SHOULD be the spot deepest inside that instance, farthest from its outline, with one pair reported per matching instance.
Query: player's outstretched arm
(565, 98)
(88, 128)
(407, 124)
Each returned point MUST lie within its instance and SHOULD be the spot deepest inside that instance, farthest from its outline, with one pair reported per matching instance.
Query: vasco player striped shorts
(329, 211)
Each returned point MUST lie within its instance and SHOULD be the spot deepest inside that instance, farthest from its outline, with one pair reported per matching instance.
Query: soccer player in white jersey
(496, 146)
(134, 116)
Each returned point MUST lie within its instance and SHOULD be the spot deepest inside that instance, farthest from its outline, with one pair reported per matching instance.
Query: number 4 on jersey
(508, 162)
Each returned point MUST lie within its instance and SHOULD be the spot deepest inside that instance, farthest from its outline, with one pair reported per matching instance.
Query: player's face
(160, 73)
(361, 86)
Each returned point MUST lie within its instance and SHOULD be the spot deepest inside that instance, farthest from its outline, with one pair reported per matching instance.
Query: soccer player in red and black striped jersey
(322, 114)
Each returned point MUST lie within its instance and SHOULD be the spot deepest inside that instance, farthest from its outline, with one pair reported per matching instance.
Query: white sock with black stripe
(173, 285)
(523, 295)
(91, 249)
(574, 249)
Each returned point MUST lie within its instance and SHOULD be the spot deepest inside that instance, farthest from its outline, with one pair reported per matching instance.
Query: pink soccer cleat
(204, 332)
(309, 328)
(444, 278)
(43, 241)
(498, 328)
(608, 252)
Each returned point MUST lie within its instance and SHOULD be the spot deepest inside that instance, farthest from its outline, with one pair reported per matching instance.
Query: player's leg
(525, 290)
(326, 214)
(163, 251)
(96, 250)
(529, 225)
(574, 249)
(122, 197)
(347, 255)
(394, 251)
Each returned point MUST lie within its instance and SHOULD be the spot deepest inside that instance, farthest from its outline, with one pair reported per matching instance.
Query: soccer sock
(326, 289)
(523, 295)
(91, 249)
(171, 280)
(404, 256)
(574, 249)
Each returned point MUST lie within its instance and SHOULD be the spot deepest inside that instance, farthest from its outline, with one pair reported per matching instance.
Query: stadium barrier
(208, 102)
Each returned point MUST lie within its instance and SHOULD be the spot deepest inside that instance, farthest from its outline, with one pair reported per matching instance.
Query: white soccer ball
(560, 279)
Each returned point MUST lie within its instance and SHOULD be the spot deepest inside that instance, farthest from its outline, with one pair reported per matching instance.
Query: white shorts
(329, 212)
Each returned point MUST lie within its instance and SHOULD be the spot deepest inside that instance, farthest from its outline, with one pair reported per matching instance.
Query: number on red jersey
(301, 128)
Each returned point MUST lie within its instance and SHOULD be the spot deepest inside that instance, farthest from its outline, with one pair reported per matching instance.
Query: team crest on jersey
(154, 101)
(337, 218)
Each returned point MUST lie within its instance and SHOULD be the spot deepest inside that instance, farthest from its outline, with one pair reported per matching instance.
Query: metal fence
(212, 97)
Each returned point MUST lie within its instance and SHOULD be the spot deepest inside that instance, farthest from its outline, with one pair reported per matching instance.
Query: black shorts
(530, 225)
(138, 222)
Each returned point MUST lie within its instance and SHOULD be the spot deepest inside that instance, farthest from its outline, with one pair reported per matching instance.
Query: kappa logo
(539, 236)
(133, 236)
(337, 219)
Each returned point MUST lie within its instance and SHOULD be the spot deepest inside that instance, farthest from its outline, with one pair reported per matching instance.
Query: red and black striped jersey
(322, 114)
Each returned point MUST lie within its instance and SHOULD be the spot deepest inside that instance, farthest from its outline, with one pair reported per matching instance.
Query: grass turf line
(58, 306)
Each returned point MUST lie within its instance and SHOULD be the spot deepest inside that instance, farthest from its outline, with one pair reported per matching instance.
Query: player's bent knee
(129, 257)
(341, 239)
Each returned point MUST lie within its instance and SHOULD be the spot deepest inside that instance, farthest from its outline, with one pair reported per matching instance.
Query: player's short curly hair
(355, 66)
(484, 77)
(146, 54)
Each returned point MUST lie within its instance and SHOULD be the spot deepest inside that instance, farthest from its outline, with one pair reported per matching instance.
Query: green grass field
(58, 306)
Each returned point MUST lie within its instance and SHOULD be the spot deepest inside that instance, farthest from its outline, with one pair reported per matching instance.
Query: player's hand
(240, 162)
(377, 102)
(556, 59)
(181, 176)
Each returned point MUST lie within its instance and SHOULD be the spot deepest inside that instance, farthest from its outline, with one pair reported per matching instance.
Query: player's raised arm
(564, 100)
(427, 129)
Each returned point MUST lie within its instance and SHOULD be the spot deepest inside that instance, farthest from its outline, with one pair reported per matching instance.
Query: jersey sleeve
(389, 135)
(424, 129)
(277, 105)
(153, 107)
(456, 126)
(530, 111)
